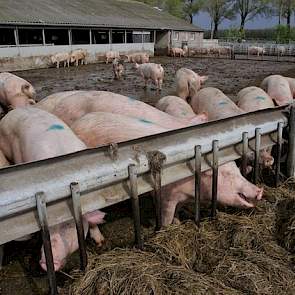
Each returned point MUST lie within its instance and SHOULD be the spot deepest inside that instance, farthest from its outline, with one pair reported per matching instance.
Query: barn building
(31, 31)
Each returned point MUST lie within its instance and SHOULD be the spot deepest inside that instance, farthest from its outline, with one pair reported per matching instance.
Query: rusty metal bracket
(245, 153)
(257, 154)
(279, 153)
(198, 166)
(215, 149)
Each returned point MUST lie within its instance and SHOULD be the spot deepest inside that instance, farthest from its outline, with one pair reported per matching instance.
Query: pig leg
(96, 235)
(57, 65)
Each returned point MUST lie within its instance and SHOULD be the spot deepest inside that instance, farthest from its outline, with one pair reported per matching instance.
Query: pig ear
(95, 217)
(204, 78)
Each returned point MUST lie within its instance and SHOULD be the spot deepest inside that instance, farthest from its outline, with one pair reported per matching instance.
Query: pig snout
(59, 253)
(266, 159)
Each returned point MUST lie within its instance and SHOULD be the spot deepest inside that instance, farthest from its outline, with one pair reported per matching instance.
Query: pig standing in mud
(278, 88)
(153, 72)
(118, 69)
(29, 134)
(72, 105)
(215, 103)
(139, 58)
(15, 91)
(188, 83)
(96, 129)
(177, 107)
(252, 99)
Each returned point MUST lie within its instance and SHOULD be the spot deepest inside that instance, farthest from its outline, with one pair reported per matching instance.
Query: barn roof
(90, 13)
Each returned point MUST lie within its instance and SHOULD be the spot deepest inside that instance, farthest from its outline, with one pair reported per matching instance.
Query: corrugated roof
(98, 13)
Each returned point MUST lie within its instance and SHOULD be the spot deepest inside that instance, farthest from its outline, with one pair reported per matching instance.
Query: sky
(203, 20)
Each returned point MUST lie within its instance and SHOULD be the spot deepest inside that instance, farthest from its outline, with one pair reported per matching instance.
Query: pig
(256, 50)
(61, 57)
(153, 72)
(118, 69)
(15, 91)
(72, 105)
(100, 128)
(177, 107)
(110, 55)
(233, 190)
(29, 134)
(178, 51)
(278, 88)
(188, 83)
(291, 82)
(79, 55)
(281, 50)
(3, 162)
(139, 58)
(251, 99)
(97, 129)
(215, 103)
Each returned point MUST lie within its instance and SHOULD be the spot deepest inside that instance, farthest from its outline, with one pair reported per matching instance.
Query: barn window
(118, 36)
(175, 35)
(30, 36)
(192, 36)
(100, 37)
(7, 37)
(80, 36)
(146, 37)
(56, 36)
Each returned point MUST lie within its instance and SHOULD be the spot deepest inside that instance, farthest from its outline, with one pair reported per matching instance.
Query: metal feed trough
(41, 194)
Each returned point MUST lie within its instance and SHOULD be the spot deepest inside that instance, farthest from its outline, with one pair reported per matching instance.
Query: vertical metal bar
(215, 178)
(245, 153)
(75, 190)
(42, 214)
(43, 37)
(279, 153)
(257, 154)
(1, 255)
(198, 165)
(291, 152)
(158, 199)
(135, 204)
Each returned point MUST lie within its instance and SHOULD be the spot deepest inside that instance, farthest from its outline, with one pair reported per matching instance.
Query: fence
(38, 195)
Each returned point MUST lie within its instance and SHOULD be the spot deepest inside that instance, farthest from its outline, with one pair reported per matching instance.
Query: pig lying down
(233, 190)
(188, 83)
(29, 134)
(72, 105)
(15, 91)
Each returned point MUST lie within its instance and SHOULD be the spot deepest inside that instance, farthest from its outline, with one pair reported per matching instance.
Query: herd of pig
(71, 121)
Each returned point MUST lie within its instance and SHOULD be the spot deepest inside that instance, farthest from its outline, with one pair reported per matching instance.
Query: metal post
(279, 153)
(90, 36)
(135, 204)
(257, 154)
(42, 214)
(215, 178)
(198, 164)
(245, 153)
(43, 36)
(1, 255)
(291, 153)
(158, 199)
(75, 190)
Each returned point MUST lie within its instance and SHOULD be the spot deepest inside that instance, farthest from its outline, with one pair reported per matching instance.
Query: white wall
(30, 57)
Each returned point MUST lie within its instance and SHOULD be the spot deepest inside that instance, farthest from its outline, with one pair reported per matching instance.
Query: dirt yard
(230, 76)
(21, 273)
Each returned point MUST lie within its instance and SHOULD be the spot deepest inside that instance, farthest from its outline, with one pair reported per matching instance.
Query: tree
(218, 10)
(192, 7)
(249, 9)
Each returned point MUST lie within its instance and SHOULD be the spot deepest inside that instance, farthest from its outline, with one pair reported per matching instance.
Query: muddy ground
(228, 75)
(21, 273)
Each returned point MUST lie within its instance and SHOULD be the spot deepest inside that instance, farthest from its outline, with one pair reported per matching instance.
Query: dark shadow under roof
(95, 13)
